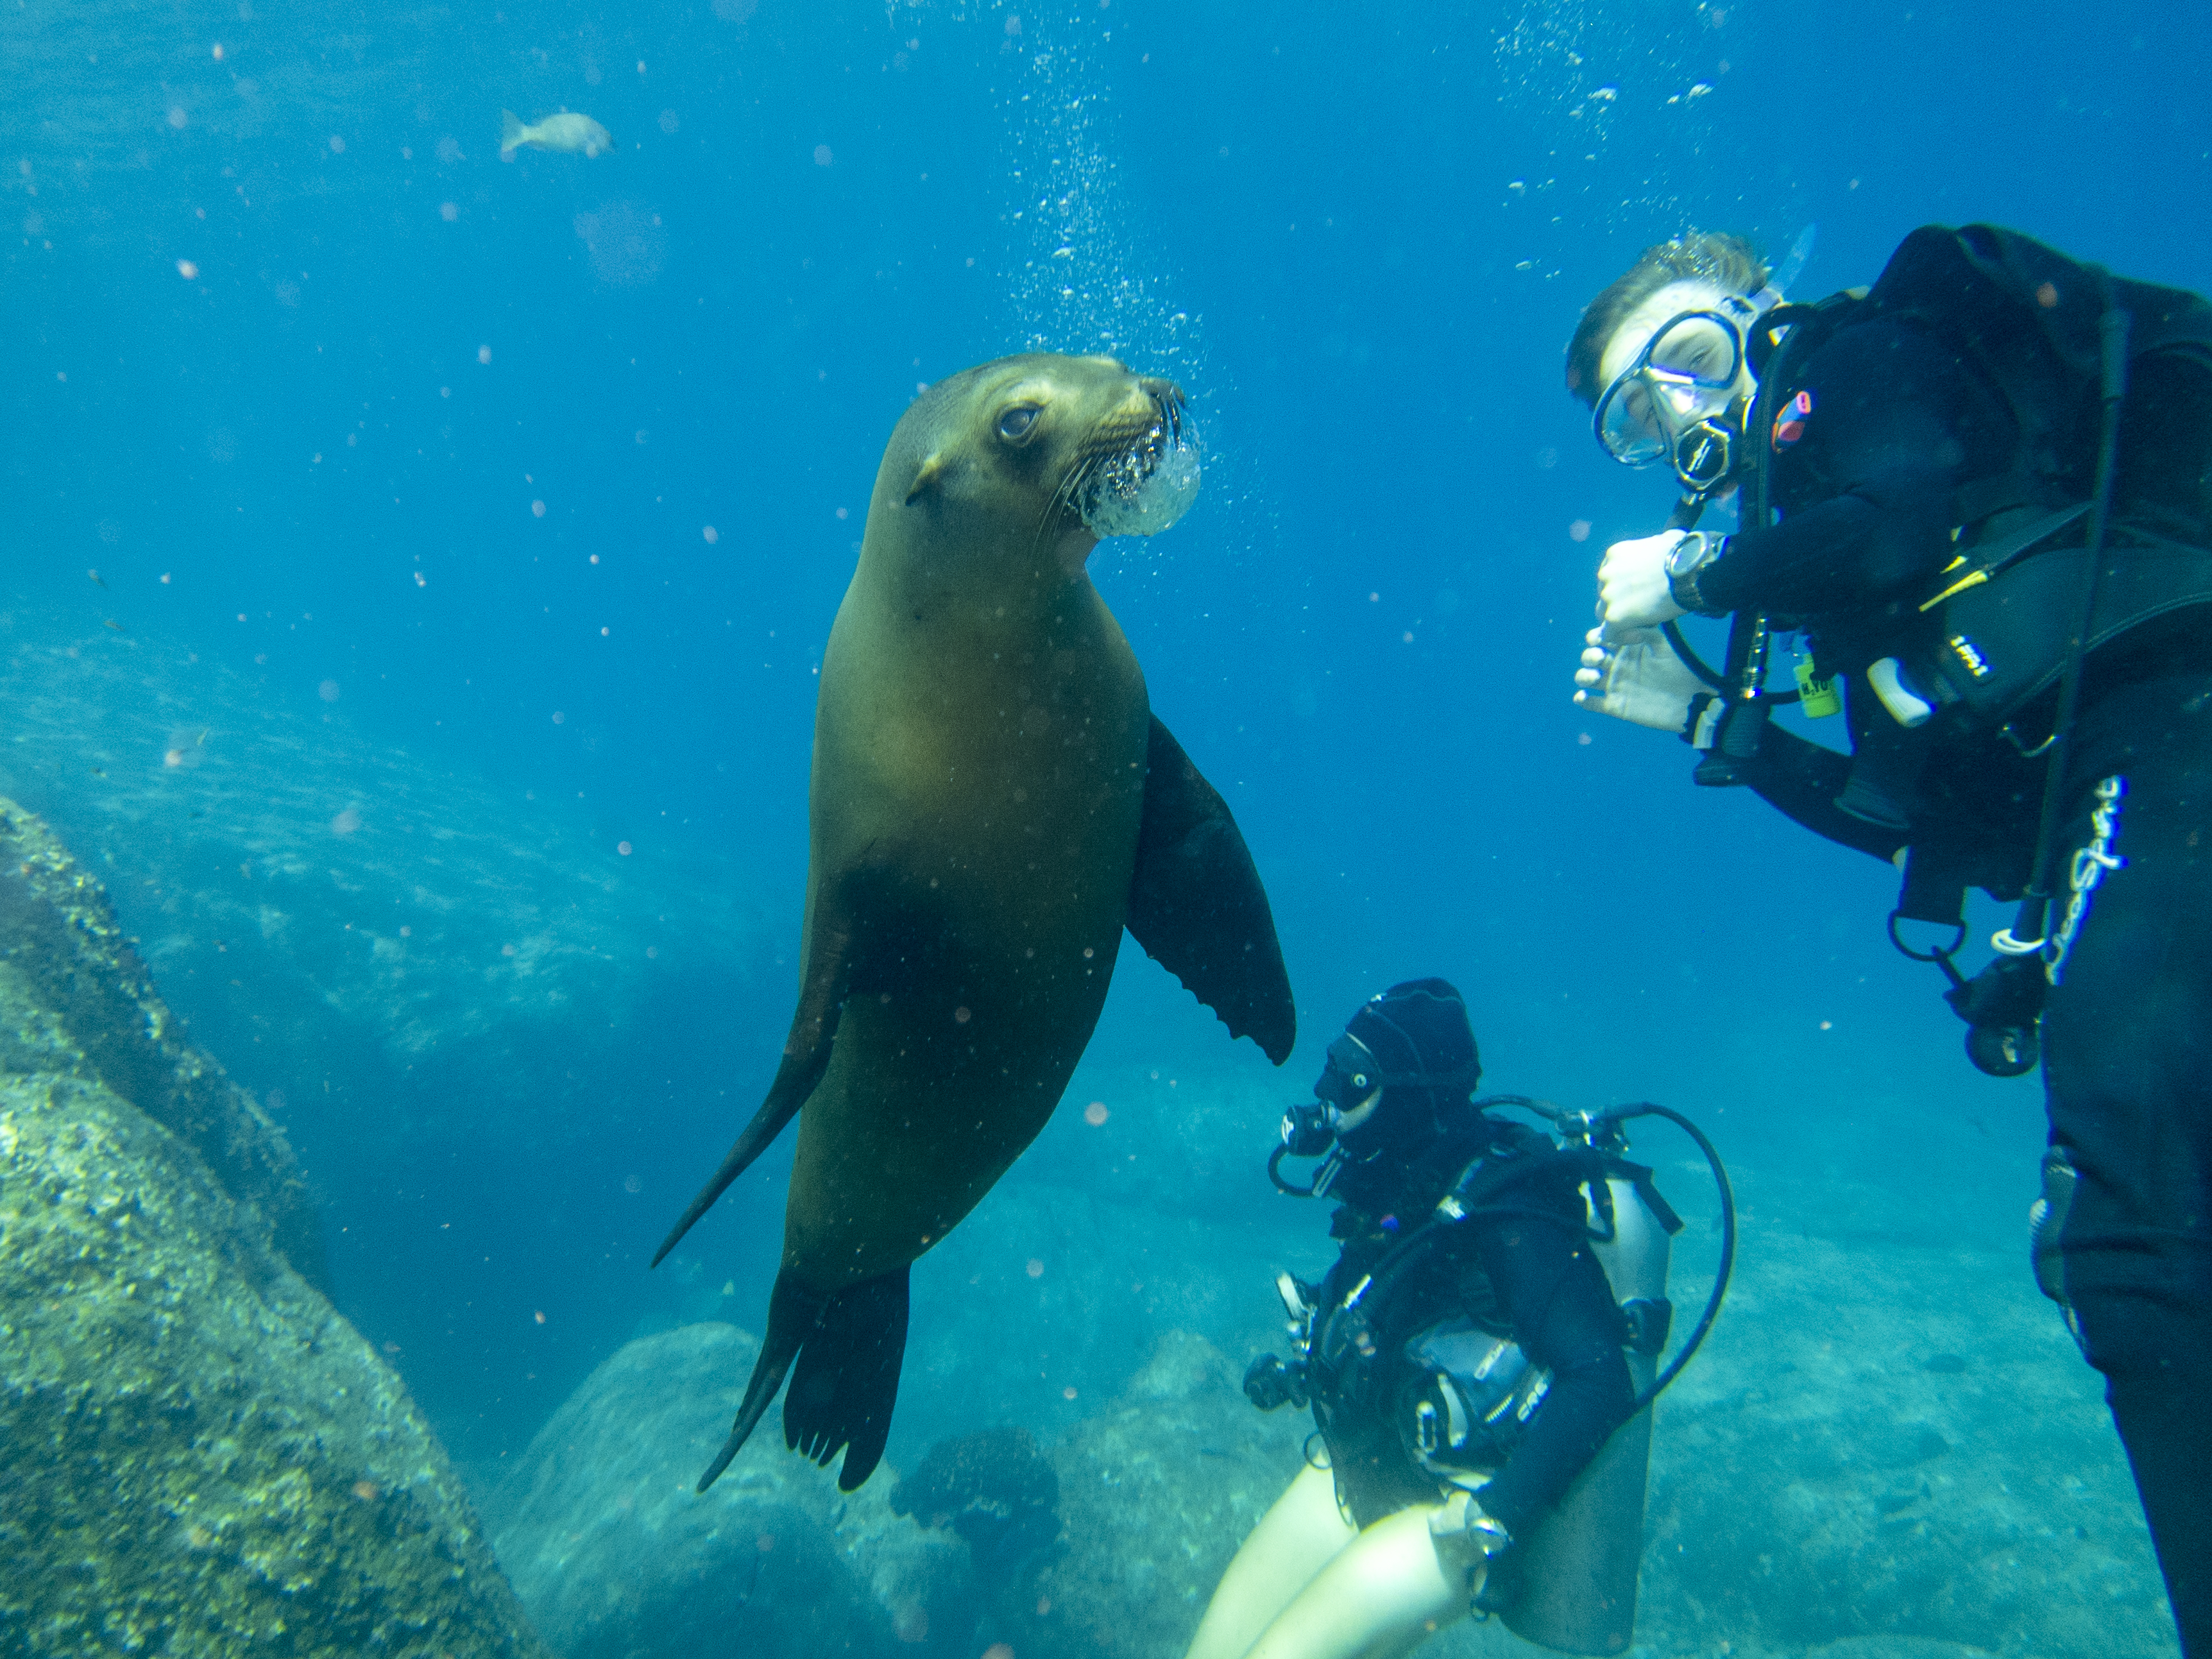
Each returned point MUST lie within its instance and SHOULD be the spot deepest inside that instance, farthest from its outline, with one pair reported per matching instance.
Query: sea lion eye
(1016, 422)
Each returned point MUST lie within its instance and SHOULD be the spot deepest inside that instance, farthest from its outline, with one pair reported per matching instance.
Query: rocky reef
(1842, 1474)
(198, 1456)
(80, 1001)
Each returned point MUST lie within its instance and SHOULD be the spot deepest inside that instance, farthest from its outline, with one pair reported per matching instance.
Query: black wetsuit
(1897, 423)
(1521, 1263)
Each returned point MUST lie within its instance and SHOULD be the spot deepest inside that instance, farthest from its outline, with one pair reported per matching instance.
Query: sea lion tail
(850, 1349)
(511, 132)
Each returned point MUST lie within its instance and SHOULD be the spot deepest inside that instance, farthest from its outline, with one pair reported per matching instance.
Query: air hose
(1600, 1129)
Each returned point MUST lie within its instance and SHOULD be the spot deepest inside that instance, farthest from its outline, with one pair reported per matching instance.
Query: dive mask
(1682, 399)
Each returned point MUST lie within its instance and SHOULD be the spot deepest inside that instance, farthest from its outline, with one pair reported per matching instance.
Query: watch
(1691, 558)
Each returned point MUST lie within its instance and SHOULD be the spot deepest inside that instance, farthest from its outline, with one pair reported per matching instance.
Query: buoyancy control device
(1467, 1392)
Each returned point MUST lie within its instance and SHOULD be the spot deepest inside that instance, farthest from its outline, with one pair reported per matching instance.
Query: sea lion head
(1039, 453)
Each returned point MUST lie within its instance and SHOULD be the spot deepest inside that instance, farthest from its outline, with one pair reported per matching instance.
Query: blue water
(542, 480)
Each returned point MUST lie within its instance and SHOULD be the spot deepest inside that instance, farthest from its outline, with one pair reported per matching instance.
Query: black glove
(1270, 1384)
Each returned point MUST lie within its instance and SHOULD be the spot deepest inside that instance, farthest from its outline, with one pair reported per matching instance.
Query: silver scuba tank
(1579, 1593)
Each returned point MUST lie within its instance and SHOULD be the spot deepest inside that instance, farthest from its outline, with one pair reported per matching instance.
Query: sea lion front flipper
(1197, 907)
(805, 1057)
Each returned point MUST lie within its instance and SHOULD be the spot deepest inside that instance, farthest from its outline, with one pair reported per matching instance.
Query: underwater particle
(1579, 530)
(507, 950)
(764, 1542)
(338, 145)
(328, 690)
(711, 534)
(537, 509)
(172, 757)
(670, 121)
(449, 211)
(187, 269)
(176, 116)
(1827, 1025)
(633, 1184)
(842, 513)
(652, 952)
(218, 51)
(2046, 295)
(406, 931)
(729, 1287)
(823, 156)
(1035, 1269)
(559, 719)
(1096, 1114)
(94, 574)
(622, 848)
(912, 1624)
(1584, 739)
(1068, 1393)
(1013, 25)
(366, 1491)
(346, 822)
(602, 633)
(391, 1347)
(483, 353)
(539, 1315)
(960, 1016)
(595, 558)
(419, 582)
(165, 578)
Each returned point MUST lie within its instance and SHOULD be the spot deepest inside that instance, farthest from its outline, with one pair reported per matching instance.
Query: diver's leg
(1293, 1542)
(2129, 1042)
(1384, 1594)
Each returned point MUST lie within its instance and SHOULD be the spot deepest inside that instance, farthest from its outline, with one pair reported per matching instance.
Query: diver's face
(1696, 369)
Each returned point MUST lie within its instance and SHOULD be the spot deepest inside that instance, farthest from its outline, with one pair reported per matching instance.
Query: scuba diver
(1981, 493)
(1464, 1360)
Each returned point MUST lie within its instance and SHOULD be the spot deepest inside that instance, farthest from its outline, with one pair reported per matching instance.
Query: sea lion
(992, 803)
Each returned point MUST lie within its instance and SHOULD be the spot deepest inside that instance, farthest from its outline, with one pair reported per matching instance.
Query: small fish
(202, 738)
(99, 771)
(94, 574)
(570, 134)
(111, 623)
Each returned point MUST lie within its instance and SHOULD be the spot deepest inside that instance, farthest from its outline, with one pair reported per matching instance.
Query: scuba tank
(1582, 1559)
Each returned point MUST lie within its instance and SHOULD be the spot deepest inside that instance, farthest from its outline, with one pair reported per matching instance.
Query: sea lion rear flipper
(847, 1378)
(850, 1349)
(805, 1057)
(1197, 907)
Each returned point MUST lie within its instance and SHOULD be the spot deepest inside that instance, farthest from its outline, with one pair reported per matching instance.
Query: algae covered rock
(617, 1557)
(198, 1456)
(75, 998)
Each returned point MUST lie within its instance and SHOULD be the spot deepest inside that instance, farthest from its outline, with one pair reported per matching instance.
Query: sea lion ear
(927, 477)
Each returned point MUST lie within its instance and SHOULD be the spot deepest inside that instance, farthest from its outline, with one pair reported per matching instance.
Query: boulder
(198, 1456)
(618, 1557)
